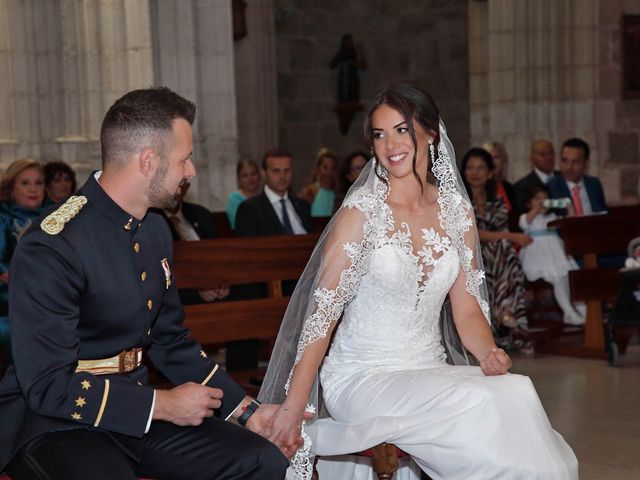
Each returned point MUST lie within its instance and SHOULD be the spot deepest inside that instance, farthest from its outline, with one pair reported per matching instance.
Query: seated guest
(59, 181)
(504, 275)
(543, 159)
(545, 257)
(586, 192)
(188, 222)
(504, 188)
(21, 195)
(352, 165)
(248, 178)
(320, 193)
(274, 211)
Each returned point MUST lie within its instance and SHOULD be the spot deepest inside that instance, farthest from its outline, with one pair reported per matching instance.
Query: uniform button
(149, 304)
(143, 276)
(136, 247)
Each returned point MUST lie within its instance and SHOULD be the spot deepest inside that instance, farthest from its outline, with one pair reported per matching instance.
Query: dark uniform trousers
(215, 450)
(89, 282)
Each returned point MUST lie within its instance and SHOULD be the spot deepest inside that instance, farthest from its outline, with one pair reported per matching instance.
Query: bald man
(543, 160)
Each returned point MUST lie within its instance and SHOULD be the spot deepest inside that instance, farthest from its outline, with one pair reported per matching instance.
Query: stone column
(8, 138)
(533, 75)
(106, 50)
(65, 61)
(256, 82)
(193, 55)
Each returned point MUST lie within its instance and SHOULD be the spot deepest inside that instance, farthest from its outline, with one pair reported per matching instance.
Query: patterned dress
(505, 278)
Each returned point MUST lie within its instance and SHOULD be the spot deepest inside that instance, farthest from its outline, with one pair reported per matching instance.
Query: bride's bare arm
(474, 330)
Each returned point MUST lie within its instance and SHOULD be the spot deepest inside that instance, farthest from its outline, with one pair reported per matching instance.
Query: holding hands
(496, 363)
(284, 427)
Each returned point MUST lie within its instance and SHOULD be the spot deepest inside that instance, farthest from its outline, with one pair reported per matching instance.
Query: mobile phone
(556, 202)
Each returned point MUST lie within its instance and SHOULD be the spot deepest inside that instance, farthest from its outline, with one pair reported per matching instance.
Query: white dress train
(386, 379)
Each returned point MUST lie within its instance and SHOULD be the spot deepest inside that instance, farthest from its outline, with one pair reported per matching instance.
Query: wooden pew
(206, 263)
(590, 237)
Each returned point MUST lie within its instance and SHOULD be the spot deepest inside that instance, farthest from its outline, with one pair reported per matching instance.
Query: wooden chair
(384, 459)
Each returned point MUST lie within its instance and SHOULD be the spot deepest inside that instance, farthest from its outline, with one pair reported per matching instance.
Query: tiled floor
(595, 407)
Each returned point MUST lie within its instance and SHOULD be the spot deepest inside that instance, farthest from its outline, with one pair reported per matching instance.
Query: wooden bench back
(595, 284)
(600, 234)
(207, 263)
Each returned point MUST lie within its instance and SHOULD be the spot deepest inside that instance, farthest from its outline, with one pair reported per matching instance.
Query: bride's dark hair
(413, 103)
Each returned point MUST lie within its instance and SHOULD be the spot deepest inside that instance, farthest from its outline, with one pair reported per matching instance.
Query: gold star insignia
(80, 402)
(86, 385)
(203, 354)
(76, 416)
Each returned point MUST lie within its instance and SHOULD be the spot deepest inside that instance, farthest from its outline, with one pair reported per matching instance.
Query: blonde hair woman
(320, 193)
(21, 195)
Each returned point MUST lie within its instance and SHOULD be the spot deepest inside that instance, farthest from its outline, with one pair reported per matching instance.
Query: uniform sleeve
(47, 282)
(180, 358)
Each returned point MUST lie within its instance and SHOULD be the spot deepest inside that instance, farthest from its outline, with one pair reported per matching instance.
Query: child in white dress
(545, 258)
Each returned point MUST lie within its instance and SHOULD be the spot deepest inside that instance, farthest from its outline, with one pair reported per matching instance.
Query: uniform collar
(105, 205)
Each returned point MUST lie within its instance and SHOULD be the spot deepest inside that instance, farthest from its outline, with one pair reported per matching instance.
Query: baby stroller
(626, 310)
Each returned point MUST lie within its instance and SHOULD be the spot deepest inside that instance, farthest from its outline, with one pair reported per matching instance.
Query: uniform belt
(126, 361)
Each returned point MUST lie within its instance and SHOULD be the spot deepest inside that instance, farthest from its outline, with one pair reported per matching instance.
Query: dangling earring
(432, 153)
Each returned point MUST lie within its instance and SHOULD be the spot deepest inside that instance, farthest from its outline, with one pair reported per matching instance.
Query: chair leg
(315, 475)
(385, 460)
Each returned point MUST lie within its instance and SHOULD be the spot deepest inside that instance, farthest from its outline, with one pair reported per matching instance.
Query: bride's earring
(432, 153)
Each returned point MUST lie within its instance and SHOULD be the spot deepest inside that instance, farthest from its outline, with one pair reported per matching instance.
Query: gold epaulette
(54, 223)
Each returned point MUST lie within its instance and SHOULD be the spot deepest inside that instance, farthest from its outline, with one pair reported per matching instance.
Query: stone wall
(552, 69)
(617, 118)
(422, 40)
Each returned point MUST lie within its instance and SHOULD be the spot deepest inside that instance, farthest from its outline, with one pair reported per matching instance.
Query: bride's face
(393, 144)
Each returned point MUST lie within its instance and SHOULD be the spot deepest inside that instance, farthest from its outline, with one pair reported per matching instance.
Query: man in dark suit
(543, 159)
(274, 211)
(189, 222)
(586, 192)
(91, 288)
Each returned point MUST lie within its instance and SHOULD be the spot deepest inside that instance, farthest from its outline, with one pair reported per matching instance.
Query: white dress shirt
(184, 229)
(274, 198)
(542, 176)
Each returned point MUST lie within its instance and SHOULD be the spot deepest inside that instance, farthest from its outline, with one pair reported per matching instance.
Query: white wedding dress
(385, 380)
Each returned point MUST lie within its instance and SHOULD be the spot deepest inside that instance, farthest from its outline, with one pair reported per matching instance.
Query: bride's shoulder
(362, 199)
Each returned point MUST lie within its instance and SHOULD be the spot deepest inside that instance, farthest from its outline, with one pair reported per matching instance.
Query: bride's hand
(496, 363)
(284, 429)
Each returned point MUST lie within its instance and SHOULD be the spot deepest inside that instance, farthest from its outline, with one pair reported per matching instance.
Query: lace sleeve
(329, 282)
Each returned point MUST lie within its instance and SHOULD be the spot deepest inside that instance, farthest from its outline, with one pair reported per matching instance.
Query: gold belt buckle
(130, 360)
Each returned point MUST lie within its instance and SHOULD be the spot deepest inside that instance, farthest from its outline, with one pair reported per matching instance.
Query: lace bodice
(392, 323)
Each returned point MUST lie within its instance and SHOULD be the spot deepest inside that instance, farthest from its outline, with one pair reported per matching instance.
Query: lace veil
(341, 258)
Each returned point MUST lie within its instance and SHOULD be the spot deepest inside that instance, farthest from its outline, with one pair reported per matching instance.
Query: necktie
(577, 203)
(286, 222)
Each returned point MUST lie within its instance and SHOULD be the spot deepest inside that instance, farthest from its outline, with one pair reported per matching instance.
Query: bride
(397, 274)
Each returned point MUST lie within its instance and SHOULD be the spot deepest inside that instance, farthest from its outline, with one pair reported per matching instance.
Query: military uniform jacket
(102, 285)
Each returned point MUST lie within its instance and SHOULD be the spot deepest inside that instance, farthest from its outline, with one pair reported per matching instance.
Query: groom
(91, 290)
